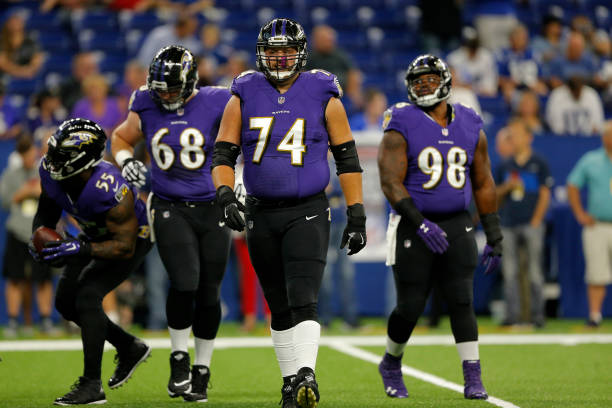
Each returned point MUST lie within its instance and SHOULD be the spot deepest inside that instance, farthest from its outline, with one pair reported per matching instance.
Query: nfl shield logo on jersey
(250, 224)
(281, 100)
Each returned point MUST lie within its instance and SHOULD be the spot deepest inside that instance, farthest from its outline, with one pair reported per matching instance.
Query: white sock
(283, 347)
(179, 339)
(468, 350)
(395, 349)
(113, 316)
(203, 351)
(306, 337)
(596, 317)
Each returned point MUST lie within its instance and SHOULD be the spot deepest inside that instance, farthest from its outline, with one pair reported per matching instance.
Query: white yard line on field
(352, 351)
(417, 340)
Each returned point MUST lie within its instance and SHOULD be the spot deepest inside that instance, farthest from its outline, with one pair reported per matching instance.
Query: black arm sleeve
(347, 160)
(48, 213)
(225, 153)
(491, 226)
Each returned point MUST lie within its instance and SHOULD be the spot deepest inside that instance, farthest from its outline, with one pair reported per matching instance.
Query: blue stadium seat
(23, 87)
(113, 63)
(352, 40)
(59, 62)
(107, 41)
(53, 41)
(240, 20)
(139, 21)
(93, 20)
(42, 21)
(310, 4)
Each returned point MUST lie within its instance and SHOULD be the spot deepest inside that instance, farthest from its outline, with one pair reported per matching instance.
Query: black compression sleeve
(47, 214)
(226, 154)
(491, 227)
(406, 208)
(347, 160)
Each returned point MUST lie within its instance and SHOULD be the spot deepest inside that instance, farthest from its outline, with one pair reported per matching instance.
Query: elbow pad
(347, 160)
(225, 154)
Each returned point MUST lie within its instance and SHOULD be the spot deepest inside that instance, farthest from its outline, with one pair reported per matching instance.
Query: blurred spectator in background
(550, 44)
(603, 78)
(97, 105)
(84, 64)
(518, 67)
(523, 191)
(575, 58)
(326, 55)
(20, 56)
(45, 115)
(528, 109)
(210, 46)
(503, 144)
(594, 173)
(575, 108)
(582, 24)
(371, 118)
(463, 93)
(474, 64)
(180, 32)
(207, 71)
(339, 266)
(10, 121)
(134, 76)
(19, 192)
(440, 32)
(237, 63)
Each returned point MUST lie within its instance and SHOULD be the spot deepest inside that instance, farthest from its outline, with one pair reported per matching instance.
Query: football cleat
(473, 388)
(180, 376)
(306, 392)
(287, 397)
(200, 376)
(83, 391)
(390, 369)
(127, 363)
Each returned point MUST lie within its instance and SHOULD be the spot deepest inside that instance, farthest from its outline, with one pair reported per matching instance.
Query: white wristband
(122, 156)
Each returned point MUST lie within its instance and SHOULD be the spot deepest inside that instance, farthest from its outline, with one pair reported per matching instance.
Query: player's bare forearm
(223, 176)
(126, 135)
(231, 122)
(541, 206)
(392, 165)
(122, 224)
(483, 184)
(351, 187)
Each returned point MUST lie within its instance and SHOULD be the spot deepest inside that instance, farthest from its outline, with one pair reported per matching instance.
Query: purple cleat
(390, 368)
(473, 388)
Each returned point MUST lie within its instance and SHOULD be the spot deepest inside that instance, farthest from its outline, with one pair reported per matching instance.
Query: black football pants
(78, 298)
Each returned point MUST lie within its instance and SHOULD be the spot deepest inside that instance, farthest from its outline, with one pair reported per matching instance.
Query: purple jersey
(284, 139)
(439, 159)
(104, 189)
(181, 143)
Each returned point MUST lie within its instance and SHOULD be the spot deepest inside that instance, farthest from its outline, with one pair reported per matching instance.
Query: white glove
(135, 172)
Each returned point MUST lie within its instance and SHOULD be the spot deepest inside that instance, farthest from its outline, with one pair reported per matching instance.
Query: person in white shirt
(575, 109)
(475, 65)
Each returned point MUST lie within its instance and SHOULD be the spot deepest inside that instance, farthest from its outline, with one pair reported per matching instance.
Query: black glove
(354, 235)
(231, 208)
(33, 252)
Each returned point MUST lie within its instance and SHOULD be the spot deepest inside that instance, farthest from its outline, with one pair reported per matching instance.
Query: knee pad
(303, 313)
(282, 320)
(410, 307)
(459, 293)
(65, 306)
(179, 308)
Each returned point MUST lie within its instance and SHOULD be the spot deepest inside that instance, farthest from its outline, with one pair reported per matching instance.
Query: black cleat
(83, 391)
(200, 376)
(306, 391)
(127, 363)
(287, 397)
(180, 377)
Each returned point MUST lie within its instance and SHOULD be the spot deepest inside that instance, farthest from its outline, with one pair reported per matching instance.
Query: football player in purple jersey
(432, 159)
(284, 121)
(179, 123)
(114, 243)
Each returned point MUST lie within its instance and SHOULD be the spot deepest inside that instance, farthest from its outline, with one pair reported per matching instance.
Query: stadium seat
(53, 41)
(107, 41)
(43, 21)
(147, 21)
(59, 62)
(23, 87)
(93, 20)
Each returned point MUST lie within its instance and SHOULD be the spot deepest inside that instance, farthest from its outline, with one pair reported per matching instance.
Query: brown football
(42, 235)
